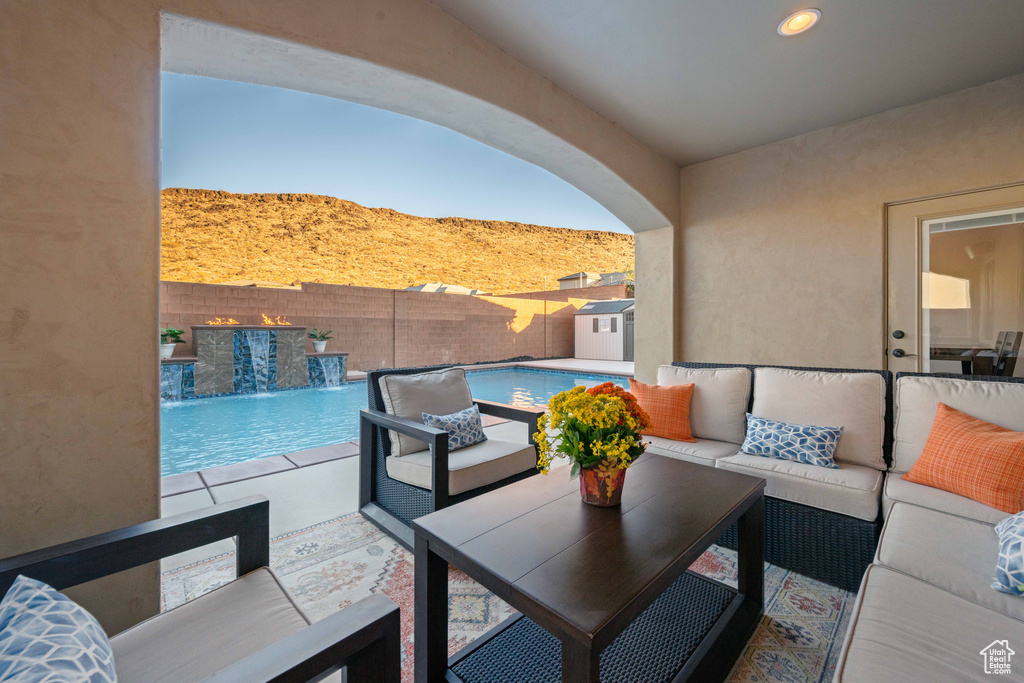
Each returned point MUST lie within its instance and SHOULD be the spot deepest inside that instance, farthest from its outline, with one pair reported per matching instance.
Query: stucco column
(656, 311)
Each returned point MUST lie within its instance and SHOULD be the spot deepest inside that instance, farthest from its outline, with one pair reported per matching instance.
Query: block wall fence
(390, 328)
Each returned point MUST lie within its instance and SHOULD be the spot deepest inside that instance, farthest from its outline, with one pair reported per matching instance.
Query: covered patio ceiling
(698, 80)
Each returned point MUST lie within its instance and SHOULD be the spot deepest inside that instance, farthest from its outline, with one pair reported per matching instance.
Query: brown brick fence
(384, 327)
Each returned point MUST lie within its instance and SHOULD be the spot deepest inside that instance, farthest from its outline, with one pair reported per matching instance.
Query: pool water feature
(202, 433)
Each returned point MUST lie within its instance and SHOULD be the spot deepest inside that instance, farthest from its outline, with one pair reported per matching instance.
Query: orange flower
(610, 388)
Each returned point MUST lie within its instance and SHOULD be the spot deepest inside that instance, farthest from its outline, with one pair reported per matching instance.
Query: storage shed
(604, 330)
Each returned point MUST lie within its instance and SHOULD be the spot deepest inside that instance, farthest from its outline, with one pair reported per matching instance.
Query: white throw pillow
(854, 401)
(719, 405)
(440, 392)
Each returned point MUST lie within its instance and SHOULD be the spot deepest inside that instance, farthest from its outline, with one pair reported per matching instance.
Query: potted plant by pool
(599, 431)
(319, 339)
(169, 337)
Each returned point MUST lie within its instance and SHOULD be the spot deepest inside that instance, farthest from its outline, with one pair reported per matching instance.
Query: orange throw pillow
(973, 458)
(668, 408)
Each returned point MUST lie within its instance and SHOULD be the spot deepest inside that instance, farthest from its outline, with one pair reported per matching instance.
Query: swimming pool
(209, 432)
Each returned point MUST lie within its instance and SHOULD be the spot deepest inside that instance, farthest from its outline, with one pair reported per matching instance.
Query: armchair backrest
(376, 398)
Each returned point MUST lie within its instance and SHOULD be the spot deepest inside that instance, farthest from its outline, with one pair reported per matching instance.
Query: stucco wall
(79, 226)
(782, 246)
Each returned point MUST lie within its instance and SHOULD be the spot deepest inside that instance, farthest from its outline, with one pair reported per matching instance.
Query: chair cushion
(1010, 565)
(800, 443)
(904, 629)
(900, 490)
(854, 401)
(205, 635)
(472, 467)
(917, 400)
(464, 428)
(719, 404)
(701, 451)
(46, 636)
(668, 407)
(954, 553)
(973, 458)
(440, 392)
(851, 490)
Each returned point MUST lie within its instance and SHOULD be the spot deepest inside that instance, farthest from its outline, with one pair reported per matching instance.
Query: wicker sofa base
(822, 545)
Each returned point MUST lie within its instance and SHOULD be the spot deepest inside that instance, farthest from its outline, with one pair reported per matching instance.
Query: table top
(585, 571)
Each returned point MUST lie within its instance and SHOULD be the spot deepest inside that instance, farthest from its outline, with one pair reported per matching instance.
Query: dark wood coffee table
(610, 585)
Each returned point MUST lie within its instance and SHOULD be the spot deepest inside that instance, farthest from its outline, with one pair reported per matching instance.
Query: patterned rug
(334, 564)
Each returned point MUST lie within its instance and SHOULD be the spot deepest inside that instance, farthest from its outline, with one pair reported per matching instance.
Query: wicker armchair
(393, 504)
(249, 630)
(821, 544)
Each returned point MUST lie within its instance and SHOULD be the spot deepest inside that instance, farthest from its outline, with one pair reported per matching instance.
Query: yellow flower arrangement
(598, 428)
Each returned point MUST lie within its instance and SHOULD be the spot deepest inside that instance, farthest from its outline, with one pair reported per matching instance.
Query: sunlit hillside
(213, 236)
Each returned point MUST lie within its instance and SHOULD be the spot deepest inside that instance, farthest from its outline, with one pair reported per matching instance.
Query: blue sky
(223, 135)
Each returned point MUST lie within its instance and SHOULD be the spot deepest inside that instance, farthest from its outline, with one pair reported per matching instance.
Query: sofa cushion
(954, 553)
(469, 468)
(46, 636)
(901, 490)
(849, 490)
(1010, 564)
(720, 398)
(854, 401)
(196, 640)
(440, 392)
(667, 407)
(918, 398)
(973, 458)
(701, 451)
(800, 443)
(904, 629)
(464, 428)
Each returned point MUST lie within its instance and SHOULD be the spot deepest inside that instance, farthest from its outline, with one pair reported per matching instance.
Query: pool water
(209, 432)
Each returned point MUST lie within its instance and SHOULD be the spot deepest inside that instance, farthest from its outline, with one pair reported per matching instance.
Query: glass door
(955, 283)
(972, 291)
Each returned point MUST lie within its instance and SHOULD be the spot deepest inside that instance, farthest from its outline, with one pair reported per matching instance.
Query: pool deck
(316, 485)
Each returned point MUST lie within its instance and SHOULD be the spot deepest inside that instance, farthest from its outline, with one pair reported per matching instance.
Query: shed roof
(605, 307)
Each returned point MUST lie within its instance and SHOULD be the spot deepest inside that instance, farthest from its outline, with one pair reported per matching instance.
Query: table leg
(431, 614)
(750, 560)
(580, 664)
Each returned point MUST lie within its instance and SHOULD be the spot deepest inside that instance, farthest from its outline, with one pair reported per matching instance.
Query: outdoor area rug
(334, 564)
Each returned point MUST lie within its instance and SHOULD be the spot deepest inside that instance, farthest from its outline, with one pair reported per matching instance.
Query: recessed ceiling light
(798, 22)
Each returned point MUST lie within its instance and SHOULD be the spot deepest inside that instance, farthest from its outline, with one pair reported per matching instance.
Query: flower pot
(319, 346)
(602, 485)
(167, 350)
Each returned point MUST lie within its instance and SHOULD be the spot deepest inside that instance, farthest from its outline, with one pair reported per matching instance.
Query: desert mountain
(213, 236)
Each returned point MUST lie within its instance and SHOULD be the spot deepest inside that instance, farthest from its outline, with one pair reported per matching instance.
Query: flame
(278, 320)
(223, 321)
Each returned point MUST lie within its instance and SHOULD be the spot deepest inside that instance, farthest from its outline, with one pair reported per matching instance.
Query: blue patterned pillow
(46, 637)
(464, 428)
(800, 443)
(1010, 566)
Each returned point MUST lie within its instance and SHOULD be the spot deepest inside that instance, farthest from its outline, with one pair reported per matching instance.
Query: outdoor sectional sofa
(819, 522)
(926, 609)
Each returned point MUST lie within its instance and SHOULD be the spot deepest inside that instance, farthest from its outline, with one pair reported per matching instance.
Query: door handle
(900, 353)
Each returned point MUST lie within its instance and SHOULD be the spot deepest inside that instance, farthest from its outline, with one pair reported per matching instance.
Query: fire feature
(278, 320)
(222, 321)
